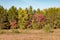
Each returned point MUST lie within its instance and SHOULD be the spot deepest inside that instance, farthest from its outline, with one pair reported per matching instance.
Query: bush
(34, 25)
(2, 32)
(28, 24)
(15, 31)
(13, 24)
(47, 28)
(39, 20)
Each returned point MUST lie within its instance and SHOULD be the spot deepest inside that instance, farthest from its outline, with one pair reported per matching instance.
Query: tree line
(14, 18)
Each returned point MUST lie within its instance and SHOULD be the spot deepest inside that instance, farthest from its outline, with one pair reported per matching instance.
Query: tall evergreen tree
(3, 17)
(12, 17)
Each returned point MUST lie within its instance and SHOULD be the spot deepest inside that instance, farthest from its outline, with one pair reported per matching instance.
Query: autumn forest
(20, 18)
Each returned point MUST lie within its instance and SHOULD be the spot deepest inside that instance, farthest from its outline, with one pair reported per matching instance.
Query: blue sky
(34, 3)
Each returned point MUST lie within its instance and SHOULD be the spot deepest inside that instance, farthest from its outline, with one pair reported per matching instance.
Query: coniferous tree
(12, 17)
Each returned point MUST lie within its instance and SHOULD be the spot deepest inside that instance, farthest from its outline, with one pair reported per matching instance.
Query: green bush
(15, 31)
(34, 25)
(47, 28)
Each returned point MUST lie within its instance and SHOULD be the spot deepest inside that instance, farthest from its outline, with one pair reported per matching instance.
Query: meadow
(29, 34)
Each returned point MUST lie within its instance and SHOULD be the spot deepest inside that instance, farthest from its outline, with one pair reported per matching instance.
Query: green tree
(23, 17)
(3, 18)
(38, 11)
(30, 13)
(20, 18)
(12, 17)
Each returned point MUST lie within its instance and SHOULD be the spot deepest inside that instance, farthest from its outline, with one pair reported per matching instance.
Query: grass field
(31, 35)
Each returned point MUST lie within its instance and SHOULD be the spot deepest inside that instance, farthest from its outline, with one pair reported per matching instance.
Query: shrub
(13, 24)
(39, 19)
(34, 25)
(2, 32)
(15, 31)
(28, 24)
(47, 28)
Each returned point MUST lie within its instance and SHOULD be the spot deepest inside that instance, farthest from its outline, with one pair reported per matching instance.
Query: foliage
(12, 17)
(29, 18)
(3, 18)
(39, 20)
(34, 25)
(21, 18)
(47, 28)
(2, 32)
(15, 31)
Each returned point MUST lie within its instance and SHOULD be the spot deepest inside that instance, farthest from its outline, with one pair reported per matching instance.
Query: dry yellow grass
(32, 35)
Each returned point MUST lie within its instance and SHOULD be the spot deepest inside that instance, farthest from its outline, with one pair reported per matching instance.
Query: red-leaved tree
(39, 19)
(13, 24)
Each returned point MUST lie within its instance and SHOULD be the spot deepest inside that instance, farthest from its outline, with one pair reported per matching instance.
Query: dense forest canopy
(29, 18)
